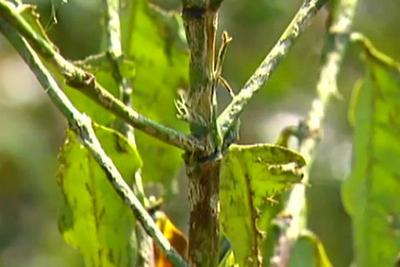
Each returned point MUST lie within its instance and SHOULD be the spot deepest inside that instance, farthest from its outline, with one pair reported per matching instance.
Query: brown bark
(204, 223)
(203, 167)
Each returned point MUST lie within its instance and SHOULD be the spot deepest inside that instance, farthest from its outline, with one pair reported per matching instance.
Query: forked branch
(82, 126)
(299, 23)
(87, 84)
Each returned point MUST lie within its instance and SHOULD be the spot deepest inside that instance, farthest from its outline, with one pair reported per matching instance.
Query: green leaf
(84, 104)
(374, 183)
(94, 219)
(102, 73)
(228, 260)
(252, 177)
(102, 70)
(153, 39)
(309, 252)
(32, 16)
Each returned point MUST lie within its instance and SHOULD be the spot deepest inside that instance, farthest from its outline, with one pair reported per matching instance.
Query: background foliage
(32, 130)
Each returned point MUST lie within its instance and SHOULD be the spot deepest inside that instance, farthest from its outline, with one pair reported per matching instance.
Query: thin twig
(226, 85)
(219, 63)
(96, 61)
(82, 126)
(87, 84)
(299, 23)
(114, 51)
(226, 39)
(337, 40)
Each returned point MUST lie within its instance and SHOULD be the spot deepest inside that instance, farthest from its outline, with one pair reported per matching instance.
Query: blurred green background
(31, 129)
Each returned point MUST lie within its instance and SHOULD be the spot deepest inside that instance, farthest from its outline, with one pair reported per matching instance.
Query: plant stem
(335, 46)
(87, 84)
(82, 126)
(113, 33)
(125, 87)
(200, 18)
(299, 23)
(114, 50)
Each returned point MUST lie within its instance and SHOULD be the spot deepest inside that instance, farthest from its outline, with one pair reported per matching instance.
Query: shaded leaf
(309, 252)
(94, 219)
(102, 74)
(153, 39)
(32, 16)
(101, 69)
(252, 178)
(375, 177)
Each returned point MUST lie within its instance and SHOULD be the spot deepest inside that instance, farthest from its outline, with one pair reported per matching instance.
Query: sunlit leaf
(228, 260)
(374, 182)
(94, 219)
(153, 39)
(309, 252)
(97, 113)
(252, 179)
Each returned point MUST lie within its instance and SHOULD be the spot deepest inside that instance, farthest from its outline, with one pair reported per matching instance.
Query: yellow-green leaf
(252, 179)
(228, 260)
(93, 218)
(371, 191)
(152, 38)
